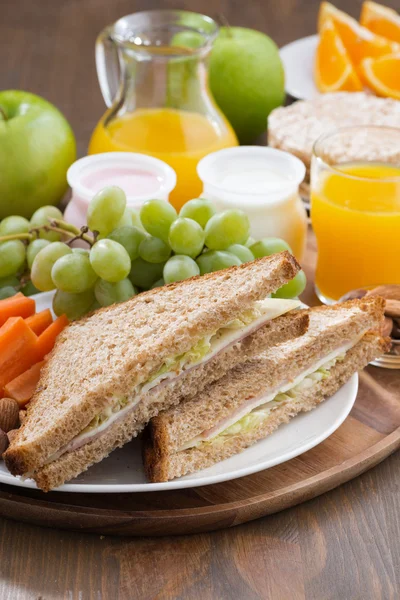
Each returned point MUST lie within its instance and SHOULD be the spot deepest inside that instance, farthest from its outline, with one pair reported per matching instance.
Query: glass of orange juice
(152, 72)
(355, 209)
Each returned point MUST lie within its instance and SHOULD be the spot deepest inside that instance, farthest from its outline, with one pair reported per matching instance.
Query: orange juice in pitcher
(159, 99)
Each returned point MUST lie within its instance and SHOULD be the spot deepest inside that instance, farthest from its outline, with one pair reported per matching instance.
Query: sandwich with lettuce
(113, 371)
(254, 398)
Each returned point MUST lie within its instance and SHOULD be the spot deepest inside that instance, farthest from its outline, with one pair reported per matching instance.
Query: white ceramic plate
(298, 62)
(122, 471)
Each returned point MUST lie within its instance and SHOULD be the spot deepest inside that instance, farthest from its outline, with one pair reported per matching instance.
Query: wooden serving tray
(369, 434)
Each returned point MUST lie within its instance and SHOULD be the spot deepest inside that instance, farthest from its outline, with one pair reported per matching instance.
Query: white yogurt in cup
(263, 182)
(141, 177)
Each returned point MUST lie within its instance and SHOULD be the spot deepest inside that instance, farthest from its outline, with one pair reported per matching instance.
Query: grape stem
(16, 236)
(58, 226)
(71, 231)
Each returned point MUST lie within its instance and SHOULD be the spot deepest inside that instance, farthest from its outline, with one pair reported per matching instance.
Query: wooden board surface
(369, 434)
(343, 544)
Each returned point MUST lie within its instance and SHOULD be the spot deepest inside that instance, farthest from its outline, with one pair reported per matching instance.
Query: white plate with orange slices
(346, 54)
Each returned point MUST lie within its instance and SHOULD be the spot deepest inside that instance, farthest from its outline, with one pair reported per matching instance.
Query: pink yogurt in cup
(141, 177)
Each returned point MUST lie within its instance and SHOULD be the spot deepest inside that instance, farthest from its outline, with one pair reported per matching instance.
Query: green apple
(37, 146)
(247, 79)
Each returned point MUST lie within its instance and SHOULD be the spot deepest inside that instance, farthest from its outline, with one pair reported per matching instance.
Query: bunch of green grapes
(16, 255)
(133, 251)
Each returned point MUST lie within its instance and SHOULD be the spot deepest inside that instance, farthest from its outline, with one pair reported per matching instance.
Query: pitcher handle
(108, 67)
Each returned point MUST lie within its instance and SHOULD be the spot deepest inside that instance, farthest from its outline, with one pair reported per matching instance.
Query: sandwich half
(111, 372)
(253, 399)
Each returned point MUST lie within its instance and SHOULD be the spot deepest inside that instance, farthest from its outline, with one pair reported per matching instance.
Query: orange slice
(383, 75)
(333, 70)
(381, 20)
(359, 42)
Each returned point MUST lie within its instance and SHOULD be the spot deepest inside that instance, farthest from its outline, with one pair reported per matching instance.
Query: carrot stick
(22, 387)
(40, 321)
(16, 306)
(47, 339)
(17, 349)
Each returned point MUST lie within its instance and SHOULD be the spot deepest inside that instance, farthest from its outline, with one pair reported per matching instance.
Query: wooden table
(343, 545)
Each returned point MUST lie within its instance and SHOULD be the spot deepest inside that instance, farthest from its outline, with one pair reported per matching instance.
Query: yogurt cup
(264, 183)
(141, 177)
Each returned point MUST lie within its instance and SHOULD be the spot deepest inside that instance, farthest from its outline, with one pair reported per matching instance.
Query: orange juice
(177, 137)
(356, 220)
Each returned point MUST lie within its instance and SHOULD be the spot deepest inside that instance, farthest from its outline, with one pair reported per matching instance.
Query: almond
(3, 442)
(9, 414)
(396, 329)
(11, 435)
(353, 295)
(392, 308)
(389, 292)
(386, 327)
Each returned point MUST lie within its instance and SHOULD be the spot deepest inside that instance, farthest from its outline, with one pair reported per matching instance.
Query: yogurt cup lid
(83, 167)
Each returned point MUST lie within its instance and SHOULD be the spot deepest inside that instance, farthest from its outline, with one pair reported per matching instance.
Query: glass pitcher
(152, 71)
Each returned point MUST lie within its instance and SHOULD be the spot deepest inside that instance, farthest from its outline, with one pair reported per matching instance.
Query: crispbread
(296, 128)
(110, 352)
(162, 465)
(71, 464)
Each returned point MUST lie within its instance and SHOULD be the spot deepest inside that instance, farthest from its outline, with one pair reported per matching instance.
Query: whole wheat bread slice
(162, 464)
(192, 381)
(112, 351)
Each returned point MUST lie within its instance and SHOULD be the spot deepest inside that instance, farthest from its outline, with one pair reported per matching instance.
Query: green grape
(158, 283)
(242, 252)
(29, 289)
(33, 249)
(106, 209)
(73, 305)
(215, 260)
(154, 250)
(43, 264)
(83, 251)
(198, 209)
(95, 306)
(135, 218)
(10, 281)
(73, 273)
(110, 293)
(144, 274)
(268, 246)
(110, 260)
(14, 224)
(294, 288)
(156, 217)
(226, 228)
(12, 257)
(129, 237)
(186, 237)
(7, 292)
(180, 267)
(41, 217)
(250, 241)
(130, 218)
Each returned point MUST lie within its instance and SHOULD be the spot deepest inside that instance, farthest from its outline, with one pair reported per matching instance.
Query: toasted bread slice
(109, 353)
(70, 464)
(166, 453)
